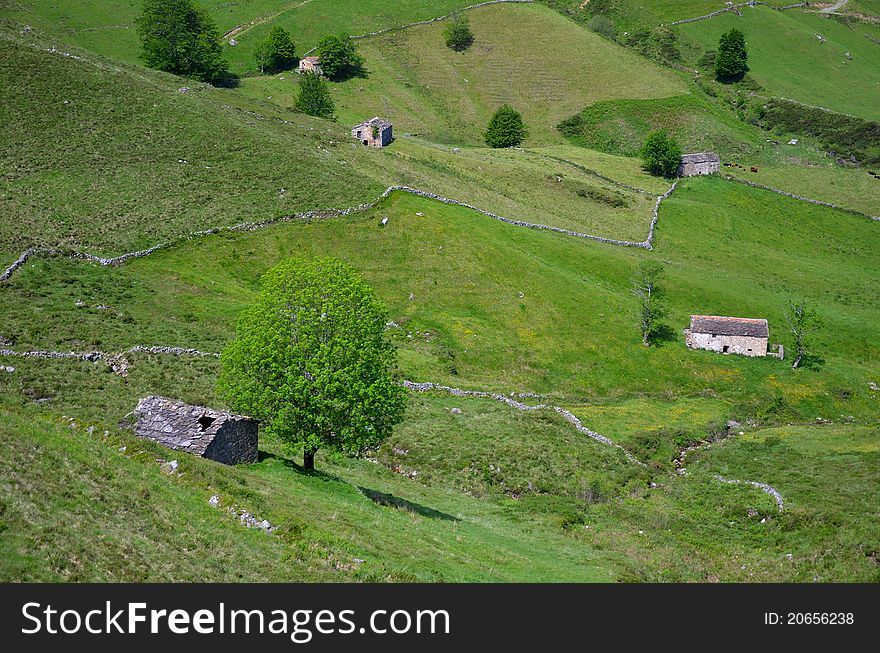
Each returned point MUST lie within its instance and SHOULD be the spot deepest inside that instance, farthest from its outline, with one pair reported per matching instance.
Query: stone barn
(701, 163)
(729, 335)
(226, 438)
(310, 65)
(375, 132)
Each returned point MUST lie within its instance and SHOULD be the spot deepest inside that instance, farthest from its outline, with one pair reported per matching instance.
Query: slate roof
(700, 157)
(380, 123)
(178, 425)
(730, 326)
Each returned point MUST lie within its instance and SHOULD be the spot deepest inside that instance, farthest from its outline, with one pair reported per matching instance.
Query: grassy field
(621, 126)
(806, 69)
(528, 56)
(571, 331)
(136, 177)
(105, 156)
(107, 27)
(852, 188)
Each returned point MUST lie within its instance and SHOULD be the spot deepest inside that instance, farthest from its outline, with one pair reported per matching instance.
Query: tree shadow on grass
(392, 501)
(291, 464)
(663, 335)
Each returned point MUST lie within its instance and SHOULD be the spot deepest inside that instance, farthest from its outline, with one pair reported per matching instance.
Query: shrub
(603, 25)
(506, 128)
(314, 97)
(458, 34)
(179, 38)
(661, 154)
(339, 57)
(277, 52)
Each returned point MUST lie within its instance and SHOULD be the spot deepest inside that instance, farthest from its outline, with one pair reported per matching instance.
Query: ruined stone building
(375, 132)
(701, 163)
(730, 335)
(226, 438)
(310, 65)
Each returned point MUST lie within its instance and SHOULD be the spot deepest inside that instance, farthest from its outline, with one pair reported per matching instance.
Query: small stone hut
(310, 65)
(375, 132)
(226, 438)
(729, 335)
(700, 163)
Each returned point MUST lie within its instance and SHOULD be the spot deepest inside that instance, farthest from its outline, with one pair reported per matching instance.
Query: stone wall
(691, 169)
(744, 345)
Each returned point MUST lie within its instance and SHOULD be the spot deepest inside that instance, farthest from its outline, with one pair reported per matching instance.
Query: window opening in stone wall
(205, 421)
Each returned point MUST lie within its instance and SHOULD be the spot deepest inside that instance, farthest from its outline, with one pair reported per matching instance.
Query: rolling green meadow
(805, 69)
(101, 155)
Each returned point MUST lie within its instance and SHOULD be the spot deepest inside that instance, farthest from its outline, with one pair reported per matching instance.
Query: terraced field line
(432, 20)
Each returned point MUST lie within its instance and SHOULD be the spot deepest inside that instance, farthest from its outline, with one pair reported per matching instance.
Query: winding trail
(830, 10)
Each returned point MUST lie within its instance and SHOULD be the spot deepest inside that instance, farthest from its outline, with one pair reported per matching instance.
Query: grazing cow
(754, 169)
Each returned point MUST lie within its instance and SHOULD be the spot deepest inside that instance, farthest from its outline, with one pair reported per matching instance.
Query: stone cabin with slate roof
(375, 132)
(701, 163)
(226, 438)
(730, 335)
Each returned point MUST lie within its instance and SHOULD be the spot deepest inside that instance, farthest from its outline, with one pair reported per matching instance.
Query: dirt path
(834, 7)
(241, 29)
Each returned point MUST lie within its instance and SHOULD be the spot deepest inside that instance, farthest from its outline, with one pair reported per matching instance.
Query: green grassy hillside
(107, 27)
(105, 156)
(528, 56)
(805, 69)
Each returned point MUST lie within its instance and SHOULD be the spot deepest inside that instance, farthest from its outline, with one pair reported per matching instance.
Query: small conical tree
(731, 62)
(506, 128)
(314, 97)
(458, 34)
(277, 52)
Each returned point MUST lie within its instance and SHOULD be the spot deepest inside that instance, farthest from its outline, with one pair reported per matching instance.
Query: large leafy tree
(458, 34)
(339, 57)
(310, 358)
(314, 96)
(277, 52)
(661, 154)
(506, 128)
(731, 61)
(180, 38)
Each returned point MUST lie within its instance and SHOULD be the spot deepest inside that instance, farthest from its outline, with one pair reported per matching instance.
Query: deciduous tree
(182, 39)
(314, 96)
(661, 154)
(802, 321)
(506, 128)
(458, 34)
(646, 288)
(311, 360)
(731, 61)
(339, 57)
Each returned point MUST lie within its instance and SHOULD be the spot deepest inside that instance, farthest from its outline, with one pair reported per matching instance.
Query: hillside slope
(805, 69)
